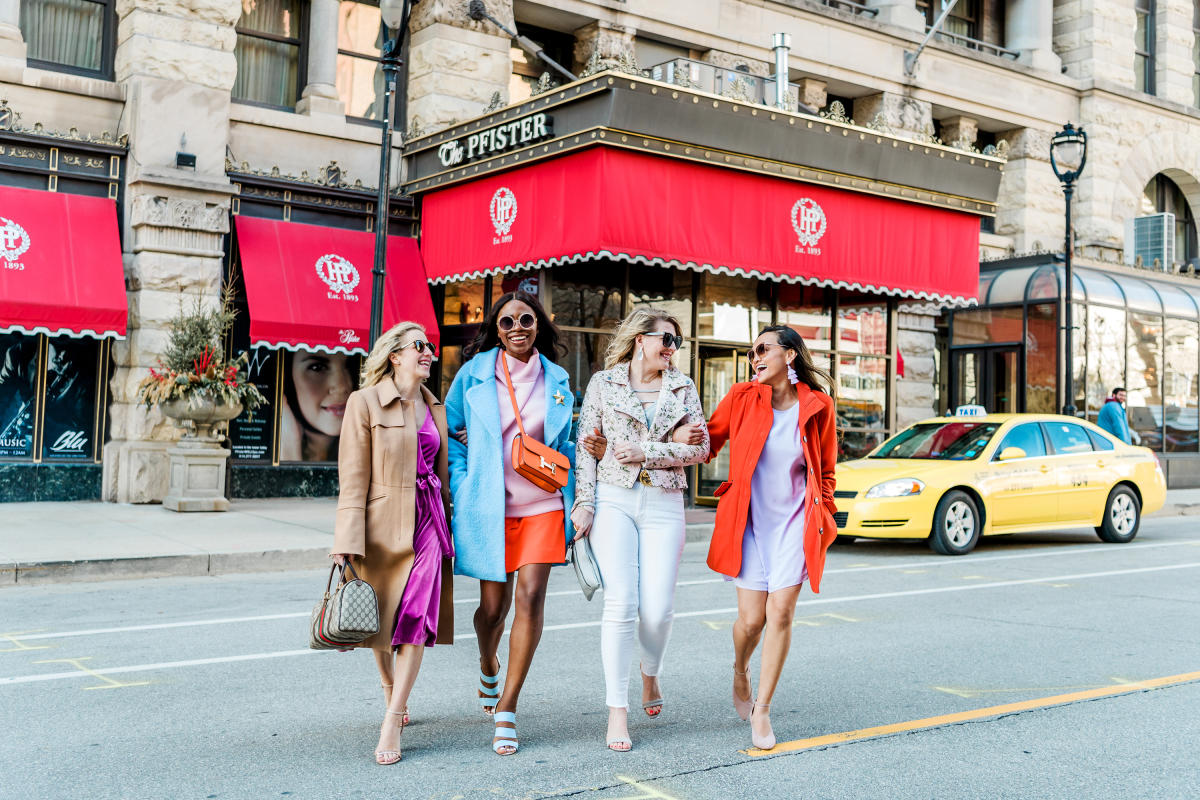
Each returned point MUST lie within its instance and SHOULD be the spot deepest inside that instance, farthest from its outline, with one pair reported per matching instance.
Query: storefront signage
(525, 130)
(339, 275)
(503, 210)
(252, 437)
(809, 223)
(14, 241)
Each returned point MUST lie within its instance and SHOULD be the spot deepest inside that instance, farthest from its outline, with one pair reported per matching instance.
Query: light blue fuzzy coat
(477, 468)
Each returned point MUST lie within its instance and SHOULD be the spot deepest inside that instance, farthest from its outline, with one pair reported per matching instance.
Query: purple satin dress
(417, 617)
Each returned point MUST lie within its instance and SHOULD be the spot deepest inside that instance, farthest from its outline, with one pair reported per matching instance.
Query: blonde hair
(624, 340)
(377, 367)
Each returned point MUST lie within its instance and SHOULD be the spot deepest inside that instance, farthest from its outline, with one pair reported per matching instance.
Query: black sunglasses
(760, 350)
(419, 345)
(526, 321)
(669, 339)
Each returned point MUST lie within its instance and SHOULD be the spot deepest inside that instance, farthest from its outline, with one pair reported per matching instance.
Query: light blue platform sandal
(489, 695)
(506, 737)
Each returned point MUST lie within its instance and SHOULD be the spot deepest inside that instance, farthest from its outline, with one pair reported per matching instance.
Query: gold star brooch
(559, 398)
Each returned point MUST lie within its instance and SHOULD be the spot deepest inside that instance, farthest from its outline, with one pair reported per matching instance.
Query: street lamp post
(395, 15)
(1068, 154)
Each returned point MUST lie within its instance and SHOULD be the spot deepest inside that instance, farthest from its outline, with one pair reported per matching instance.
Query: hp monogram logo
(14, 241)
(808, 221)
(339, 275)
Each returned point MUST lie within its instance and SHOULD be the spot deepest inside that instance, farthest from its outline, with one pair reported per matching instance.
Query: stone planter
(197, 461)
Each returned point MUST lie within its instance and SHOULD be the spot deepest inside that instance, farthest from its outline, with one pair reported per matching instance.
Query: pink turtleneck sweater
(522, 498)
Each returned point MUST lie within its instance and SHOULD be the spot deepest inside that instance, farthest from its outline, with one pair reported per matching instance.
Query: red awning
(60, 265)
(309, 287)
(607, 202)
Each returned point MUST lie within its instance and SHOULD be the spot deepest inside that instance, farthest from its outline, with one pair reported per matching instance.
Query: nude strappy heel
(387, 757)
(387, 699)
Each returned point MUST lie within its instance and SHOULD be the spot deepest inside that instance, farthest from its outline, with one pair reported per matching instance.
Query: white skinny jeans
(637, 536)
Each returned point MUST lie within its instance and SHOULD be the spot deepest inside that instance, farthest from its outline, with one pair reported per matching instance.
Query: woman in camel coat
(392, 514)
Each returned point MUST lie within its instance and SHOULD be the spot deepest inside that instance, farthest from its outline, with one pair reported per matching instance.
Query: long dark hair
(488, 337)
(806, 370)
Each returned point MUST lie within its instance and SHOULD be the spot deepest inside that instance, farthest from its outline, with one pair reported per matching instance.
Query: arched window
(1163, 195)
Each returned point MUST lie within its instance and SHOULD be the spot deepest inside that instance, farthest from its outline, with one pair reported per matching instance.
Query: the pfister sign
(497, 139)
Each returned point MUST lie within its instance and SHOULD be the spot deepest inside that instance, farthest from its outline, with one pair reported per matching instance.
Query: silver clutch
(587, 571)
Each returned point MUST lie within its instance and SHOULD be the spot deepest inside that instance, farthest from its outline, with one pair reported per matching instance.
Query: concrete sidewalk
(49, 542)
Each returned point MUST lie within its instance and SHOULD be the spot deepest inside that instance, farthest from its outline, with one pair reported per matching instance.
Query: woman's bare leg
(781, 610)
(747, 630)
(407, 663)
(385, 661)
(527, 623)
(495, 598)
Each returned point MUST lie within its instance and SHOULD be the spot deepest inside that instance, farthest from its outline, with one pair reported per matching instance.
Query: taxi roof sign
(970, 411)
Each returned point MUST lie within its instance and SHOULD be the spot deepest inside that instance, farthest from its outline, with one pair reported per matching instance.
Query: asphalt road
(202, 687)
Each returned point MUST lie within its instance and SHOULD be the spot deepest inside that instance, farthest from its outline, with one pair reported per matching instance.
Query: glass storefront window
(315, 389)
(464, 303)
(1144, 406)
(18, 394)
(862, 329)
(587, 295)
(449, 362)
(268, 53)
(584, 358)
(732, 309)
(1106, 354)
(1180, 386)
(359, 78)
(988, 325)
(1041, 359)
(806, 309)
(861, 403)
(69, 418)
(667, 289)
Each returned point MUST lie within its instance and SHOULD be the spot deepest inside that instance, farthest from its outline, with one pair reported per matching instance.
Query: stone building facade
(169, 77)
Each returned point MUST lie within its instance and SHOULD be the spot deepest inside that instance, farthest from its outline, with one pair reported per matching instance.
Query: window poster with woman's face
(18, 390)
(316, 387)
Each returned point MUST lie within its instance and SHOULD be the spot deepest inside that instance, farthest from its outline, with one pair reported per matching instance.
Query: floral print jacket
(610, 405)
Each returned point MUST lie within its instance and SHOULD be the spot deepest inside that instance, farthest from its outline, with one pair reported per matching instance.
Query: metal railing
(850, 5)
(976, 44)
(733, 84)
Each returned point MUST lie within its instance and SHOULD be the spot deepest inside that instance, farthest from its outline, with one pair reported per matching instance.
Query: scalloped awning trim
(87, 333)
(309, 348)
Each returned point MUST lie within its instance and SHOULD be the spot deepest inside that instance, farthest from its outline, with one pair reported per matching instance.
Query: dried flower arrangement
(195, 366)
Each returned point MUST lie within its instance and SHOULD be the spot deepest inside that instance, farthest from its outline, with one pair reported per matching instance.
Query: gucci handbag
(347, 615)
(543, 466)
(587, 571)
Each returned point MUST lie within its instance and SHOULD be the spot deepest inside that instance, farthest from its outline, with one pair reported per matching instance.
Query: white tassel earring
(641, 353)
(792, 376)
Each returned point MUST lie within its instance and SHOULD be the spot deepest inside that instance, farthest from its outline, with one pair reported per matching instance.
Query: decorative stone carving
(600, 46)
(813, 93)
(545, 83)
(454, 12)
(185, 213)
(742, 90)
(837, 113)
(960, 132)
(10, 120)
(904, 116)
(331, 175)
(496, 103)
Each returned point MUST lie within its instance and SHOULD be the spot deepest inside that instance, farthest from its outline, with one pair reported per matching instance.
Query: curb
(1177, 510)
(197, 564)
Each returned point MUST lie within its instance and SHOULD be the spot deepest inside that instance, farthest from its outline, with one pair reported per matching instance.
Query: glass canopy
(1031, 284)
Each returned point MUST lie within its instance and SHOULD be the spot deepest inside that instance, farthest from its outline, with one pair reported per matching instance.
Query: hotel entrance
(987, 376)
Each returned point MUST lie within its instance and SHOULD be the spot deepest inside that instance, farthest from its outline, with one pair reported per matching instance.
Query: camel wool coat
(377, 500)
(744, 418)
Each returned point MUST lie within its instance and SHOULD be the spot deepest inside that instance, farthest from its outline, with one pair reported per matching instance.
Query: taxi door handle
(1100, 462)
(1044, 468)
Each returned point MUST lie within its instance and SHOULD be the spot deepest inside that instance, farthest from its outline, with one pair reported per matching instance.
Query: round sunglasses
(669, 339)
(759, 350)
(526, 321)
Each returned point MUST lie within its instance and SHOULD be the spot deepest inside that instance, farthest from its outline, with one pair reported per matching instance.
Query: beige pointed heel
(762, 742)
(743, 707)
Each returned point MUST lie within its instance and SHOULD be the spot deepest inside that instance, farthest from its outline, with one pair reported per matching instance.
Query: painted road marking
(969, 693)
(16, 638)
(644, 792)
(813, 621)
(596, 623)
(941, 562)
(108, 683)
(978, 713)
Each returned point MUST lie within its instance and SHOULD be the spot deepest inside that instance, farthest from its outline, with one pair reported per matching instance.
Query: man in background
(1112, 416)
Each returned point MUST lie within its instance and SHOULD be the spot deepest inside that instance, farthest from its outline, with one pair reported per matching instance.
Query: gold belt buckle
(644, 477)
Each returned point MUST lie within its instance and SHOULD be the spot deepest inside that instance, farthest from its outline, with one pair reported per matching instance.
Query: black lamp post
(395, 15)
(1068, 154)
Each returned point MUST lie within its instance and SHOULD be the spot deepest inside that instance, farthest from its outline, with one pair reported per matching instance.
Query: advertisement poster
(315, 389)
(70, 399)
(18, 387)
(251, 438)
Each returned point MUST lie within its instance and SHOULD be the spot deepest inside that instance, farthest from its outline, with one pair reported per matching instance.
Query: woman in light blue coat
(508, 532)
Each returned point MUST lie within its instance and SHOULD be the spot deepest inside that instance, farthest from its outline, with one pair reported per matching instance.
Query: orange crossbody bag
(543, 466)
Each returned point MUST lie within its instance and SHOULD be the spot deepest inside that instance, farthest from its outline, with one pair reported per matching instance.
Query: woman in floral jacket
(633, 500)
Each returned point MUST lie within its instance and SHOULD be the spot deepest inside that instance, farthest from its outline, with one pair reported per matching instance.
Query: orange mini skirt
(534, 540)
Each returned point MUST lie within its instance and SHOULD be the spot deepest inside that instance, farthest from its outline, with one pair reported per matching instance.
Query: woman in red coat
(775, 514)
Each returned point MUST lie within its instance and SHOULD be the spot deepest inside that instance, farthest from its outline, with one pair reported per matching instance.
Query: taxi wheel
(1122, 516)
(956, 525)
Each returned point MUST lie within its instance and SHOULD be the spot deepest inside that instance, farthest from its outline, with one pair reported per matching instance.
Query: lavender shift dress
(417, 617)
(773, 544)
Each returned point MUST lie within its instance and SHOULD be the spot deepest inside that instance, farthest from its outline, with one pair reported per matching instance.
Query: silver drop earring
(641, 352)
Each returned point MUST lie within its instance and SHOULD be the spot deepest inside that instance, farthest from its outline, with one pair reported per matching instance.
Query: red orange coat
(744, 419)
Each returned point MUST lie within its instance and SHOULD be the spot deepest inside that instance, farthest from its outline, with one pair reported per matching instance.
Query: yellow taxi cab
(953, 479)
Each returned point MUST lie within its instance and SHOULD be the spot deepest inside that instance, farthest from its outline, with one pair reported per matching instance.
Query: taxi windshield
(945, 441)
